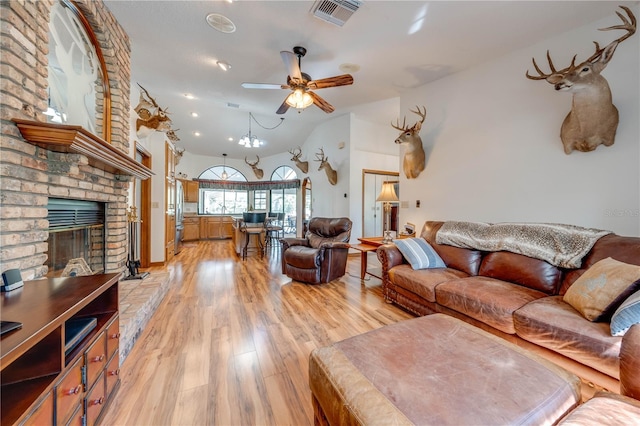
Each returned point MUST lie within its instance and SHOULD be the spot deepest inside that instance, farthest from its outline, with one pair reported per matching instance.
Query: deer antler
(321, 154)
(254, 164)
(627, 24)
(296, 152)
(153, 101)
(416, 126)
(404, 127)
(422, 114)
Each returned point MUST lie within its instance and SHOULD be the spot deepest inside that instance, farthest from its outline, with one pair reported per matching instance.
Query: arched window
(284, 200)
(284, 173)
(223, 201)
(215, 173)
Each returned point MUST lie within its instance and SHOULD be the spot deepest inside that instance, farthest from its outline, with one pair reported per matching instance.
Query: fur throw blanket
(560, 245)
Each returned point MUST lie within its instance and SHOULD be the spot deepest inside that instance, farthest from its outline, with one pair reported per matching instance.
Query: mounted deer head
(152, 117)
(414, 158)
(258, 172)
(593, 119)
(332, 175)
(302, 165)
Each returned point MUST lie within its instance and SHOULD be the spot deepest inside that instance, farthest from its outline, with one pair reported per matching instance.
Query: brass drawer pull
(74, 391)
(115, 372)
(115, 336)
(98, 358)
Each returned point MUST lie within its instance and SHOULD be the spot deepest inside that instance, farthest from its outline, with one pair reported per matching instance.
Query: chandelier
(249, 140)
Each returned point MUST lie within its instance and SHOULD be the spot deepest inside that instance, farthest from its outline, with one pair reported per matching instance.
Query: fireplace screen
(76, 237)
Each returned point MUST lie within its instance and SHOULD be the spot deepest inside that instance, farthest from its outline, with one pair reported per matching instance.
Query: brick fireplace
(31, 171)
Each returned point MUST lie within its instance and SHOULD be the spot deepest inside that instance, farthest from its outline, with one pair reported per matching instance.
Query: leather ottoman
(436, 370)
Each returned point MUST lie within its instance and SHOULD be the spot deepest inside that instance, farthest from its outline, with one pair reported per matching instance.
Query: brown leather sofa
(519, 299)
(321, 256)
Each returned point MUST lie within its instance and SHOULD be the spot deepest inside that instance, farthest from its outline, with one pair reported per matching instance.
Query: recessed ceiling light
(223, 65)
(221, 23)
(189, 96)
(196, 133)
(230, 139)
(194, 114)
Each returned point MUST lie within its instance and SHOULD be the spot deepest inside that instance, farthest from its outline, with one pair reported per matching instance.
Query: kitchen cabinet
(191, 190)
(216, 227)
(191, 228)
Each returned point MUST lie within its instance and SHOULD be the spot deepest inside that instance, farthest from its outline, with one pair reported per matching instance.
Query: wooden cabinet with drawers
(42, 381)
(191, 228)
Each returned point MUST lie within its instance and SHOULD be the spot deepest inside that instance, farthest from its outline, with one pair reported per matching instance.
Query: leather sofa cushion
(605, 409)
(437, 370)
(424, 281)
(555, 325)
(302, 257)
(487, 300)
(529, 272)
(624, 249)
(462, 259)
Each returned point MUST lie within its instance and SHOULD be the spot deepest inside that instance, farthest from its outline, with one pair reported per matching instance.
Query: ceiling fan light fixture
(299, 99)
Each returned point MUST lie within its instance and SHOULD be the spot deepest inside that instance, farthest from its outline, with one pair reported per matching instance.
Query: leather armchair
(321, 256)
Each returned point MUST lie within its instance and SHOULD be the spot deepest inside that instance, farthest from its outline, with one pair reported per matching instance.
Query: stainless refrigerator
(179, 216)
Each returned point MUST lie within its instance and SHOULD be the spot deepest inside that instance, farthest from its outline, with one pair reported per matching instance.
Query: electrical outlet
(155, 205)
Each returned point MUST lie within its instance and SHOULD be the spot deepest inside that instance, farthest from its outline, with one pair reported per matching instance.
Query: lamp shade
(387, 193)
(299, 99)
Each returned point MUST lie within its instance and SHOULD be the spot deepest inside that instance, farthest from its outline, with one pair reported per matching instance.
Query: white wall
(494, 150)
(330, 200)
(372, 148)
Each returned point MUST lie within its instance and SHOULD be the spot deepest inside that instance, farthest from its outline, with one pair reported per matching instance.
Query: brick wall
(29, 174)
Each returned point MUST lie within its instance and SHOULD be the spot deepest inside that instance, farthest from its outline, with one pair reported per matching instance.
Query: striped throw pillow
(627, 314)
(419, 253)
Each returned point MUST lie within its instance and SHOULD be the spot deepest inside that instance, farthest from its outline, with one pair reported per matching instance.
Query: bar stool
(253, 224)
(274, 228)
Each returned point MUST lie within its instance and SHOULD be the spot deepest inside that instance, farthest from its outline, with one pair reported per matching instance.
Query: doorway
(142, 202)
(372, 210)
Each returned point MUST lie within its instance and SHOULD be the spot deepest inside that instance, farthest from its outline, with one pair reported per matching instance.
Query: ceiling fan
(301, 84)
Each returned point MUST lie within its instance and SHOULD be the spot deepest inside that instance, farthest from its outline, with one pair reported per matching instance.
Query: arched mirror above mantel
(79, 91)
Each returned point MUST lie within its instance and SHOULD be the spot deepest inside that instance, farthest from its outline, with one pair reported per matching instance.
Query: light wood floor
(230, 343)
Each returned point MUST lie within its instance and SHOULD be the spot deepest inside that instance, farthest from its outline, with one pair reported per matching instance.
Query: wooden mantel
(75, 139)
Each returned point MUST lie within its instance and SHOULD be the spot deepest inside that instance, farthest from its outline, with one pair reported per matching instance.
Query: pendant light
(224, 175)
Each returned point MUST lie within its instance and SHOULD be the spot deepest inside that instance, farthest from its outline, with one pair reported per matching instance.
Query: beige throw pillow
(600, 285)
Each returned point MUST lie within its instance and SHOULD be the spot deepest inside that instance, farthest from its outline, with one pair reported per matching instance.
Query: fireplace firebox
(76, 243)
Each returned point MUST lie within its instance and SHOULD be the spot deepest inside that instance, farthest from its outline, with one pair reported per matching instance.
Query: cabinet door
(69, 391)
(191, 191)
(95, 359)
(94, 401)
(113, 337)
(191, 229)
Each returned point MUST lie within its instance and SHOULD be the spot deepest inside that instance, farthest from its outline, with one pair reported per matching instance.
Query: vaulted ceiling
(395, 45)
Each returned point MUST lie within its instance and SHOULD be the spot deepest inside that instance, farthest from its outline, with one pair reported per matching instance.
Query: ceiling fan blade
(338, 80)
(321, 103)
(291, 61)
(284, 107)
(264, 86)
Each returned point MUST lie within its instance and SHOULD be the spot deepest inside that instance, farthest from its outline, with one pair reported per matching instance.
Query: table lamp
(387, 195)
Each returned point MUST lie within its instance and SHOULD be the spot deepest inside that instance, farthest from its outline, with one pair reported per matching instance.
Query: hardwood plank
(230, 343)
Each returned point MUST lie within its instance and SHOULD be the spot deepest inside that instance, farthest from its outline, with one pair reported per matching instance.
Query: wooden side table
(366, 245)
(364, 249)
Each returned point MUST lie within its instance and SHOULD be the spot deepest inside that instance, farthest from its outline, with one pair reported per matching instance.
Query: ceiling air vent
(336, 12)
